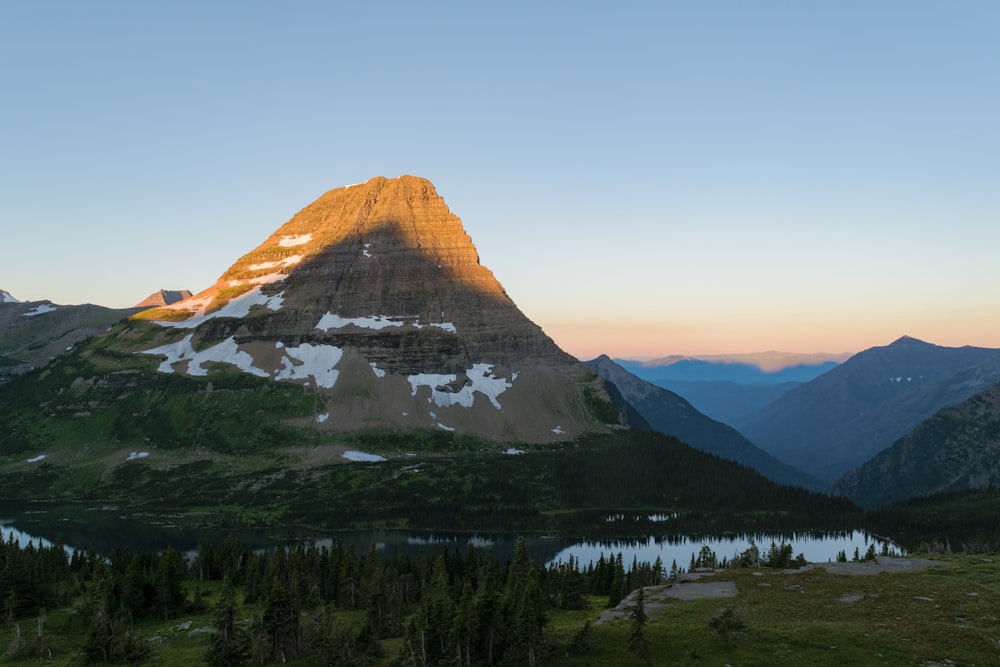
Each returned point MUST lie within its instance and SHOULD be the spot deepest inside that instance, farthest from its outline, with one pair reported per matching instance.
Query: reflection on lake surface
(105, 528)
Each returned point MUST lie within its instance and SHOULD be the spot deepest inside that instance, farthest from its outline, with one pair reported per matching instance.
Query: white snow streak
(379, 373)
(444, 428)
(480, 379)
(447, 326)
(367, 250)
(38, 458)
(288, 261)
(514, 452)
(226, 352)
(323, 417)
(294, 240)
(352, 455)
(378, 322)
(39, 310)
(558, 430)
(7, 297)
(238, 307)
(137, 455)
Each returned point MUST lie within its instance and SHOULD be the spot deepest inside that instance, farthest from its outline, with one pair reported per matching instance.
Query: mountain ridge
(671, 414)
(849, 414)
(957, 448)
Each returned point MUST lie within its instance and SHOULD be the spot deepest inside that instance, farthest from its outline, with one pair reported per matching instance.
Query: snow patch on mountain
(39, 310)
(282, 263)
(238, 307)
(317, 361)
(447, 326)
(226, 352)
(376, 322)
(352, 455)
(295, 240)
(379, 373)
(7, 297)
(480, 379)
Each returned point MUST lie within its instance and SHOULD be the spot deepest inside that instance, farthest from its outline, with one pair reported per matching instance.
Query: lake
(107, 527)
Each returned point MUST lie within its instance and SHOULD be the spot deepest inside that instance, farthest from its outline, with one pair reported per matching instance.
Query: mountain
(368, 310)
(752, 368)
(163, 298)
(670, 414)
(32, 333)
(730, 388)
(727, 402)
(847, 415)
(958, 448)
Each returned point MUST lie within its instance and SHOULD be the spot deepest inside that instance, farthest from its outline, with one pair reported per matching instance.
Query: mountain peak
(909, 341)
(374, 292)
(163, 298)
(7, 297)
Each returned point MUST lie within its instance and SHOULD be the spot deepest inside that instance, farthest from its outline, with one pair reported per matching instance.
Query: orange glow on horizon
(647, 340)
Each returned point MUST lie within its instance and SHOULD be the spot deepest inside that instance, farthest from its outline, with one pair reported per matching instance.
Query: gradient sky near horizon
(644, 178)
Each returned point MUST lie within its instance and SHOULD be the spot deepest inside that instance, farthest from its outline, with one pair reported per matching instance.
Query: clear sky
(645, 178)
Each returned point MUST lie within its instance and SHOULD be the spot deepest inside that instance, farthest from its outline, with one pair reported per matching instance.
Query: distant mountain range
(730, 388)
(851, 413)
(957, 448)
(668, 413)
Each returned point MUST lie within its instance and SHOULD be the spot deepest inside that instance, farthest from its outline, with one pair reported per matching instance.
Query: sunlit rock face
(163, 297)
(374, 293)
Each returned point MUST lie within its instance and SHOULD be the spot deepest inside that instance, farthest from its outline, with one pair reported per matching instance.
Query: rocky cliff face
(374, 294)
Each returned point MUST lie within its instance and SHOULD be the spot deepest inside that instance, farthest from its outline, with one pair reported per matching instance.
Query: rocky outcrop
(374, 293)
(163, 298)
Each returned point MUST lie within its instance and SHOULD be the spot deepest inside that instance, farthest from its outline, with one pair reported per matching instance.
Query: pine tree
(170, 595)
(229, 645)
(637, 637)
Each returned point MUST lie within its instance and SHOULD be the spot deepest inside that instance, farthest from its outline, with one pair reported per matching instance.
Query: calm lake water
(105, 528)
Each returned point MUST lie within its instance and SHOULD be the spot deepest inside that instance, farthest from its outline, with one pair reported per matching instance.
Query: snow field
(481, 379)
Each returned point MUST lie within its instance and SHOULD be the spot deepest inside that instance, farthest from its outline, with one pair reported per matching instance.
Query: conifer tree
(229, 645)
(637, 623)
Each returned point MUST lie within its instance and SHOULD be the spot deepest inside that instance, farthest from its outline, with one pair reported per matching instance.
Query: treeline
(290, 603)
(953, 521)
(568, 488)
